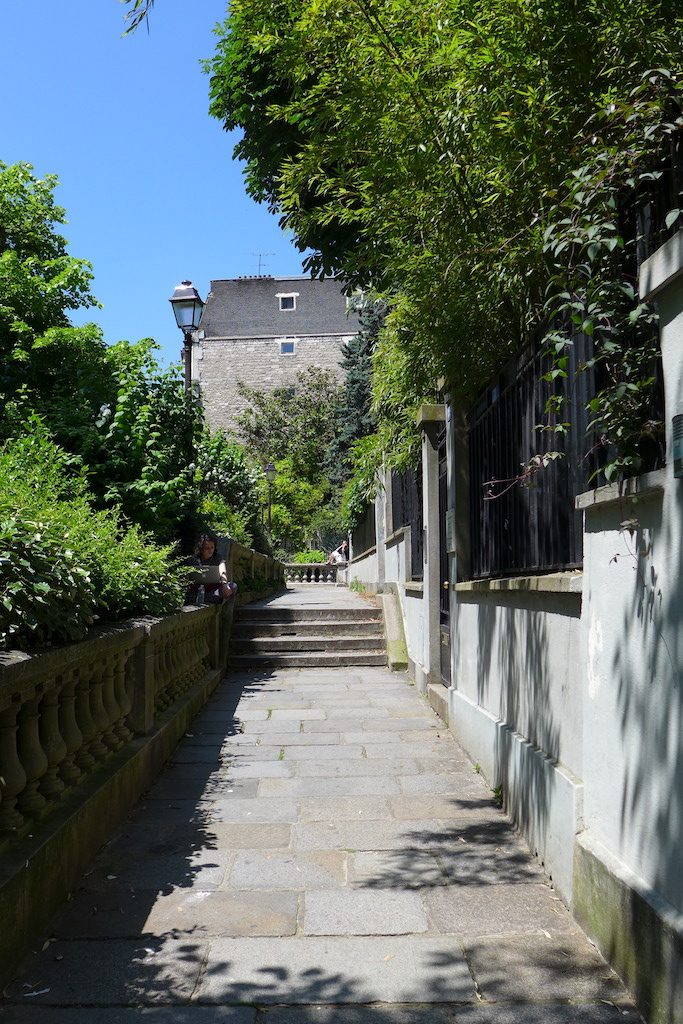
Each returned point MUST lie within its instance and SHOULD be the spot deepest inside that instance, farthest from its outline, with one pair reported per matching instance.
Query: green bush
(219, 516)
(256, 584)
(311, 557)
(44, 593)
(84, 563)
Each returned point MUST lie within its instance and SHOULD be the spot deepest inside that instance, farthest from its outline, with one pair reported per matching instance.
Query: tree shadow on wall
(647, 679)
(515, 685)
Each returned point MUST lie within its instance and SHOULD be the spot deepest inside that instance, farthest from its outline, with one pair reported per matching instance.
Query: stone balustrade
(314, 572)
(64, 713)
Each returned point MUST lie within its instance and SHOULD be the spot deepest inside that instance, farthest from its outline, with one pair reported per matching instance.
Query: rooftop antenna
(261, 262)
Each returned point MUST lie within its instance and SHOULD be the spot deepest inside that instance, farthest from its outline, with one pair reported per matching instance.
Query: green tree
(421, 148)
(296, 423)
(46, 364)
(355, 418)
(148, 438)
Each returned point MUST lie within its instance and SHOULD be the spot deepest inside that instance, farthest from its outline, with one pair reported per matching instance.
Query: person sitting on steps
(214, 578)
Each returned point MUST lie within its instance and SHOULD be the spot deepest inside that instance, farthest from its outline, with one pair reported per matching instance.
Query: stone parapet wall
(221, 363)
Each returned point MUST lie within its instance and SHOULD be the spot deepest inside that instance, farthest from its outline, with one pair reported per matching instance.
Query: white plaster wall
(395, 560)
(517, 656)
(414, 618)
(633, 714)
(365, 570)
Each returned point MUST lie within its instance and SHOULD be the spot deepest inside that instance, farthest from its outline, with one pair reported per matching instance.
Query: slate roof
(248, 307)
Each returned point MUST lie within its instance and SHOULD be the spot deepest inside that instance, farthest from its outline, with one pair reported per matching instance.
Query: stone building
(263, 331)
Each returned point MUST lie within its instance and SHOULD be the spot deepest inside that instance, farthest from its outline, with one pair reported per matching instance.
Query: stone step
(317, 659)
(304, 627)
(283, 615)
(271, 645)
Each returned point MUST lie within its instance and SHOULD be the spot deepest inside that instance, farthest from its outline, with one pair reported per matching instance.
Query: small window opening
(287, 302)
(287, 348)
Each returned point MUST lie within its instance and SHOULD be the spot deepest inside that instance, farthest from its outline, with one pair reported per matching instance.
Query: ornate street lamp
(270, 473)
(187, 308)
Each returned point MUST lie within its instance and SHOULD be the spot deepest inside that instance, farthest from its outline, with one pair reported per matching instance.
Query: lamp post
(270, 473)
(187, 308)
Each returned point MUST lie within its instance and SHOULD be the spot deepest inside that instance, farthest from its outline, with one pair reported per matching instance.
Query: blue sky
(147, 178)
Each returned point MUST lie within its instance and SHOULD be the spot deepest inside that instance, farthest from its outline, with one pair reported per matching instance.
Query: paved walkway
(319, 851)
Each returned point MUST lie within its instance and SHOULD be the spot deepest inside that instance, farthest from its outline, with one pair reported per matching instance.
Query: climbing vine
(596, 233)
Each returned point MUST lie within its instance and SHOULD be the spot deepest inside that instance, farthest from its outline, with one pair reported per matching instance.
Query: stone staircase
(283, 637)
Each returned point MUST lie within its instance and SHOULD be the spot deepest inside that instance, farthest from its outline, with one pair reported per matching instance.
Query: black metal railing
(363, 536)
(522, 520)
(406, 510)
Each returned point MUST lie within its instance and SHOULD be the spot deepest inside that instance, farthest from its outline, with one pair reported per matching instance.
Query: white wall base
(544, 799)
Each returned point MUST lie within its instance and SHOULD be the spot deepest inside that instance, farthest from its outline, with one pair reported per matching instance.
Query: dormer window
(287, 301)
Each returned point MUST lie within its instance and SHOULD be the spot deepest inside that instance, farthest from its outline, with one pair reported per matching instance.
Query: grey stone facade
(263, 332)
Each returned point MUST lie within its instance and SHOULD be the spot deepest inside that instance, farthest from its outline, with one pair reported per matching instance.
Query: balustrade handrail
(66, 711)
(314, 572)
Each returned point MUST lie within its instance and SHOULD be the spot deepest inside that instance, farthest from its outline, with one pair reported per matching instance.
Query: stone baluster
(84, 756)
(68, 727)
(177, 660)
(158, 670)
(122, 696)
(12, 774)
(98, 747)
(203, 652)
(32, 756)
(110, 704)
(51, 739)
(179, 663)
(164, 667)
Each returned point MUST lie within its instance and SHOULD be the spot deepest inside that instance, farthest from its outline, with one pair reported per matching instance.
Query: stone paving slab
(262, 770)
(416, 807)
(459, 784)
(297, 714)
(498, 910)
(321, 786)
(191, 869)
(336, 970)
(289, 726)
(303, 739)
(387, 869)
(259, 810)
(350, 808)
(225, 913)
(288, 870)
(370, 835)
(363, 913)
(323, 753)
(392, 767)
(256, 836)
(437, 749)
(374, 736)
(126, 972)
(196, 789)
(131, 914)
(528, 968)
